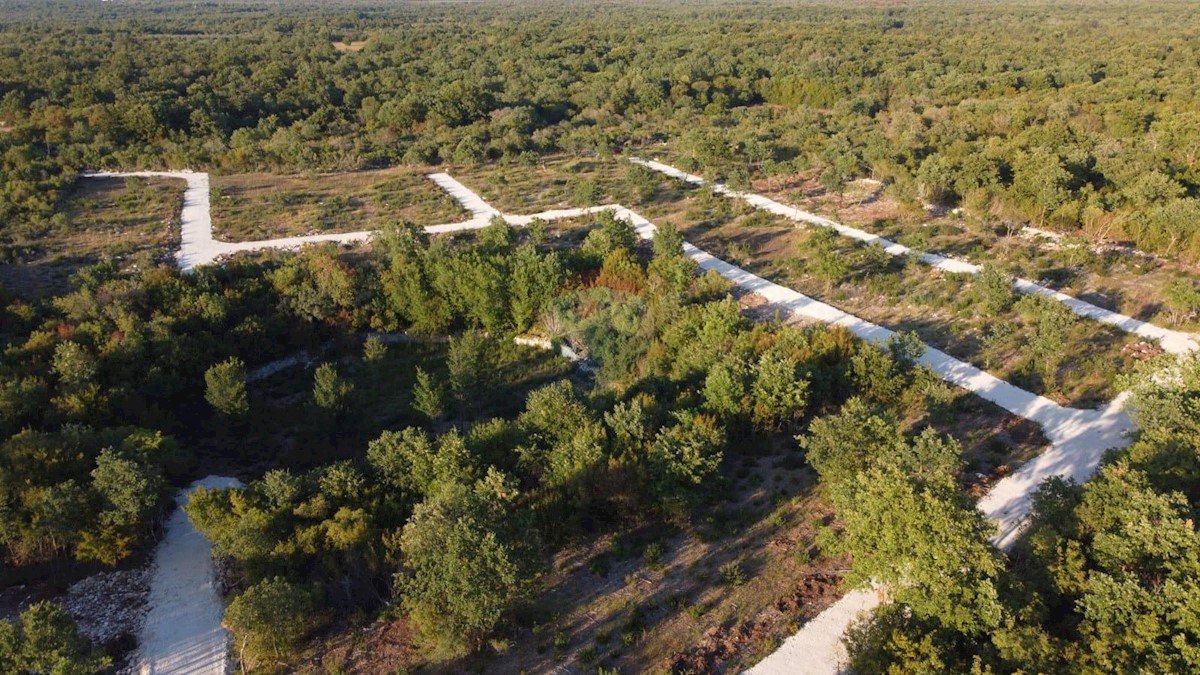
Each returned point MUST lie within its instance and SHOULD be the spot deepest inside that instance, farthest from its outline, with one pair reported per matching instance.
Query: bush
(733, 574)
(270, 619)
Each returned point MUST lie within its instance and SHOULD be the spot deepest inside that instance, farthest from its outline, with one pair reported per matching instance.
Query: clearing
(133, 221)
(253, 206)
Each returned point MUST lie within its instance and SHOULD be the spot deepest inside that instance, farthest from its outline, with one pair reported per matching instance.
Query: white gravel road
(182, 632)
(1176, 342)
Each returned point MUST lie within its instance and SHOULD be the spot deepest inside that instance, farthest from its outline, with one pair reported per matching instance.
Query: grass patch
(254, 206)
(132, 221)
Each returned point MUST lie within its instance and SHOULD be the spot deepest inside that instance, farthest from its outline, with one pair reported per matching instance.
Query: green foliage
(429, 396)
(858, 439)
(778, 396)
(497, 237)
(317, 286)
(225, 388)
(1183, 300)
(465, 570)
(828, 263)
(269, 619)
(685, 456)
(733, 574)
(612, 234)
(43, 639)
(905, 348)
(73, 364)
(469, 361)
(80, 491)
(532, 284)
(374, 349)
(928, 539)
(330, 390)
(992, 291)
(726, 388)
(1052, 321)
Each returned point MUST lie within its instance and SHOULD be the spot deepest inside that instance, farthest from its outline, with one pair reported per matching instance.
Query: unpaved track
(182, 632)
(1078, 437)
(1173, 341)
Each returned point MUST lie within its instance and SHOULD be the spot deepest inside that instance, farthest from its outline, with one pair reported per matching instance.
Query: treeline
(1080, 117)
(1105, 580)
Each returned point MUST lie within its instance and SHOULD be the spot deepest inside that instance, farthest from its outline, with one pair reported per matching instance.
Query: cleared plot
(133, 221)
(894, 292)
(552, 182)
(1111, 277)
(1115, 279)
(256, 206)
(352, 46)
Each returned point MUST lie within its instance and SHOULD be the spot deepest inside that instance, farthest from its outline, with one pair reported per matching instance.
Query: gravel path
(1079, 439)
(183, 629)
(1176, 342)
(182, 632)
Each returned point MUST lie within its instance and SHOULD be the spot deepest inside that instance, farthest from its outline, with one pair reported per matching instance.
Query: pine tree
(429, 397)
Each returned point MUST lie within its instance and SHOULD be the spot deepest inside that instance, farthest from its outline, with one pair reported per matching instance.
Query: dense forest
(424, 473)
(1081, 116)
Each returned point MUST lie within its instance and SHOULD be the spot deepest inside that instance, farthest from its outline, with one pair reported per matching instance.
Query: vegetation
(1102, 582)
(44, 640)
(411, 470)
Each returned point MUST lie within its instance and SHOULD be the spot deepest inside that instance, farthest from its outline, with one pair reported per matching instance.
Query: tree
(331, 391)
(225, 388)
(374, 349)
(669, 263)
(1183, 300)
(464, 568)
(726, 388)
(992, 291)
(429, 396)
(829, 265)
(497, 237)
(831, 181)
(926, 539)
(1052, 322)
(315, 285)
(408, 462)
(905, 348)
(128, 492)
(613, 233)
(684, 457)
(1124, 557)
(858, 438)
(1041, 181)
(1166, 227)
(73, 364)
(469, 360)
(533, 280)
(44, 639)
(270, 619)
(778, 395)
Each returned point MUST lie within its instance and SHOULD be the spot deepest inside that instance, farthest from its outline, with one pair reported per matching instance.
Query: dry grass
(1113, 278)
(552, 183)
(641, 600)
(250, 207)
(352, 46)
(908, 297)
(134, 221)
